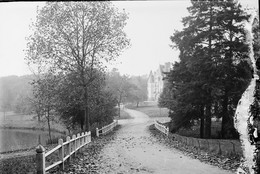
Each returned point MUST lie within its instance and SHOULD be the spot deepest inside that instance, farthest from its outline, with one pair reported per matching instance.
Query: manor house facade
(155, 81)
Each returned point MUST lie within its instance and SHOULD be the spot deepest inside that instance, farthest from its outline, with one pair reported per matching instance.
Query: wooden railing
(161, 127)
(106, 129)
(65, 151)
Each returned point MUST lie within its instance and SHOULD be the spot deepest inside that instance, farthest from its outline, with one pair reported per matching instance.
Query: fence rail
(65, 151)
(106, 129)
(162, 128)
(213, 146)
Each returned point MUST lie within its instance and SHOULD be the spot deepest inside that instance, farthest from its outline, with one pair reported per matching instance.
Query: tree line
(28, 95)
(214, 67)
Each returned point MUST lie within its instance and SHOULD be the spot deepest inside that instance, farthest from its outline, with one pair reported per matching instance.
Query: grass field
(123, 115)
(152, 111)
(155, 111)
(14, 120)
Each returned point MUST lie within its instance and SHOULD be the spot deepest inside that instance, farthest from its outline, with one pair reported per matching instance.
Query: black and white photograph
(130, 87)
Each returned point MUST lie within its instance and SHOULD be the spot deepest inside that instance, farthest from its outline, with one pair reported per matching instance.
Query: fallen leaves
(89, 160)
(227, 163)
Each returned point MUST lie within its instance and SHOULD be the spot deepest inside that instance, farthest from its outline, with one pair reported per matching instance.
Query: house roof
(151, 77)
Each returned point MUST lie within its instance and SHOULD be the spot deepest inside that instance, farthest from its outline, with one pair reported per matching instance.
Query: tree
(6, 99)
(138, 93)
(14, 92)
(197, 53)
(168, 96)
(77, 37)
(69, 105)
(7, 93)
(233, 71)
(45, 97)
(213, 56)
(119, 85)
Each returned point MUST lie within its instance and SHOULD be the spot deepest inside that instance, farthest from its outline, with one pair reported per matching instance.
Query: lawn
(155, 111)
(123, 115)
(152, 111)
(14, 120)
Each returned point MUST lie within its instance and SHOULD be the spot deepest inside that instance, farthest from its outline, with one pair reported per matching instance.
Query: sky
(149, 27)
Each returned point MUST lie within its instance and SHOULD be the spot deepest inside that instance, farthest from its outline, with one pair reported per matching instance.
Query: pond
(15, 139)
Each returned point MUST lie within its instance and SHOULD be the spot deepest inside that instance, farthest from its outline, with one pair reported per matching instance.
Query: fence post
(208, 144)
(61, 154)
(199, 145)
(40, 159)
(97, 133)
(82, 139)
(85, 138)
(234, 148)
(219, 148)
(69, 147)
(78, 140)
(194, 143)
(89, 136)
(74, 144)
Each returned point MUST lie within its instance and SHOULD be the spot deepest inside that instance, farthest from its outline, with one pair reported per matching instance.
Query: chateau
(155, 81)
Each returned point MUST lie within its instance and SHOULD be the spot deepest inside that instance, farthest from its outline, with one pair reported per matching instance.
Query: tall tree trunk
(39, 118)
(38, 112)
(208, 106)
(118, 104)
(86, 119)
(86, 111)
(82, 120)
(120, 100)
(208, 121)
(225, 119)
(202, 121)
(49, 124)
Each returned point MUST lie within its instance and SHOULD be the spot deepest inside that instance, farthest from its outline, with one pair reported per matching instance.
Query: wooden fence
(106, 129)
(162, 128)
(65, 151)
(213, 146)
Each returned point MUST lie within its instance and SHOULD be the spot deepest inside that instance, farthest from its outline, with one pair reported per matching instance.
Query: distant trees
(119, 86)
(14, 94)
(126, 89)
(6, 97)
(45, 97)
(139, 92)
(168, 95)
(213, 70)
(76, 38)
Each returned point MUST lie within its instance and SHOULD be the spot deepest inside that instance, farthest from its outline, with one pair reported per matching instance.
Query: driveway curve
(134, 150)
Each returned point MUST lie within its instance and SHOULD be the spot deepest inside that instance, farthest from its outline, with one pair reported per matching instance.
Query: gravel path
(133, 149)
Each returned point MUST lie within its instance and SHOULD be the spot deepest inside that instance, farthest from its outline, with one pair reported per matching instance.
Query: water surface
(15, 139)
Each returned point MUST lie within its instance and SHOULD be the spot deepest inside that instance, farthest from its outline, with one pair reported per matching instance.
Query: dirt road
(134, 150)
